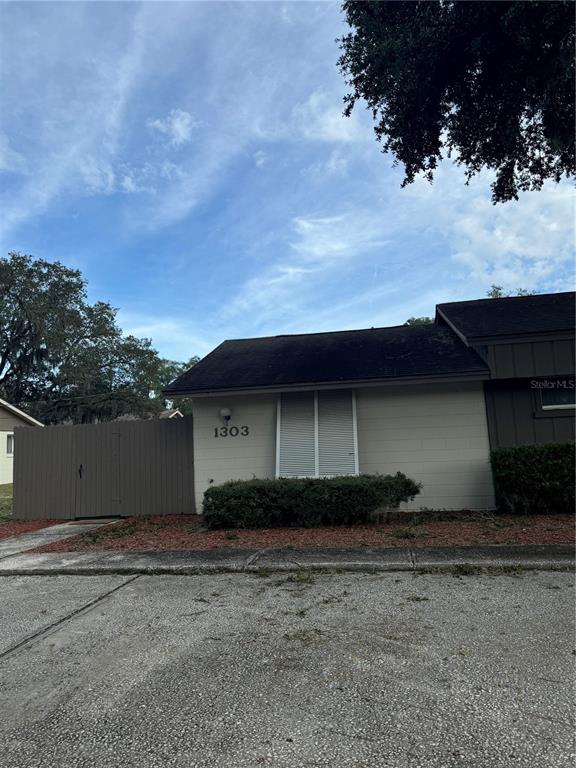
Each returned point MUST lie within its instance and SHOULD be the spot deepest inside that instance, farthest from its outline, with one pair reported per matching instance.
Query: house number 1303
(231, 431)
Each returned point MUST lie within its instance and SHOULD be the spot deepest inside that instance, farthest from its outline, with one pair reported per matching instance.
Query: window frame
(316, 435)
(551, 409)
(10, 444)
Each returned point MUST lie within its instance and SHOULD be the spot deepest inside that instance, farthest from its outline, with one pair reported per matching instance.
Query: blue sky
(192, 160)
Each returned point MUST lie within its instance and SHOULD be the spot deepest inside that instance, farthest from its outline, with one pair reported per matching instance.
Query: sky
(192, 160)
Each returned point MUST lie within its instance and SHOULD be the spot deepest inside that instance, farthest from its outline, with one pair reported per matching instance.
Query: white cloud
(128, 184)
(320, 118)
(362, 267)
(98, 177)
(323, 240)
(527, 243)
(10, 160)
(177, 338)
(260, 158)
(317, 247)
(517, 244)
(177, 126)
(336, 164)
(81, 137)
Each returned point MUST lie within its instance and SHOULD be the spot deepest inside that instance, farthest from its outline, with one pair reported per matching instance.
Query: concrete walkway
(17, 544)
(545, 557)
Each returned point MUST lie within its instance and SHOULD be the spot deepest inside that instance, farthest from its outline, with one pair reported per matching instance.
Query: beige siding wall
(8, 421)
(217, 459)
(6, 460)
(435, 434)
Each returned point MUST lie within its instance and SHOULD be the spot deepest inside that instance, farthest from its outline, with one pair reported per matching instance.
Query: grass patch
(231, 536)
(5, 501)
(134, 525)
(262, 573)
(465, 569)
(409, 532)
(509, 570)
(417, 599)
(117, 531)
(405, 533)
(302, 577)
(305, 636)
(495, 524)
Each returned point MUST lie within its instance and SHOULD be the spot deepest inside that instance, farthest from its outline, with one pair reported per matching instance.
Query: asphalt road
(343, 670)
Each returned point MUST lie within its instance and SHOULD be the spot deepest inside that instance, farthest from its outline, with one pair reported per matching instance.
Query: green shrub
(534, 479)
(304, 502)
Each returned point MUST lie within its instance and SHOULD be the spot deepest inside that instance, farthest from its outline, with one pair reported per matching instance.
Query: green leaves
(63, 359)
(535, 479)
(489, 82)
(307, 502)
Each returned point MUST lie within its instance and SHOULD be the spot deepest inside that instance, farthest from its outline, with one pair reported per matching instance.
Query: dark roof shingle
(376, 353)
(514, 316)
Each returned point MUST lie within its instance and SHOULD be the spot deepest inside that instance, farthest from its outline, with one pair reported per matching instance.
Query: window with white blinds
(296, 435)
(316, 434)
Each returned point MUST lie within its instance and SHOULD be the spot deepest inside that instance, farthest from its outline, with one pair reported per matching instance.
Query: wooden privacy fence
(101, 470)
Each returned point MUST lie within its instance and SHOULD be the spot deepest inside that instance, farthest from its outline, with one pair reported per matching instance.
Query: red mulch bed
(187, 532)
(16, 527)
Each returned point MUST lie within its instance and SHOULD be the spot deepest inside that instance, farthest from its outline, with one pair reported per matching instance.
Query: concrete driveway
(284, 670)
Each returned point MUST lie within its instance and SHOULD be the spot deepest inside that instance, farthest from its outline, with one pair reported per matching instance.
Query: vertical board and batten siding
(436, 434)
(100, 470)
(514, 417)
(514, 413)
(531, 359)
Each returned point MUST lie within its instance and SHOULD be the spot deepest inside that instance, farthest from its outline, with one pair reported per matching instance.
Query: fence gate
(101, 470)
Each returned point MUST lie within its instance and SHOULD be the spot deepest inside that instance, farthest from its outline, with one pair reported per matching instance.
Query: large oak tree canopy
(64, 359)
(491, 83)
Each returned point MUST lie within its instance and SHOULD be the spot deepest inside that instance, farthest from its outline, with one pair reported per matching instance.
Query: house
(429, 401)
(10, 417)
(171, 413)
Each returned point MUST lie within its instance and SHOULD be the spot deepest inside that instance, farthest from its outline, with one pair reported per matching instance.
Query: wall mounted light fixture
(225, 414)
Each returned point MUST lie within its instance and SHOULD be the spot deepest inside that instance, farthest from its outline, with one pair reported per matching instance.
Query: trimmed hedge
(534, 479)
(306, 502)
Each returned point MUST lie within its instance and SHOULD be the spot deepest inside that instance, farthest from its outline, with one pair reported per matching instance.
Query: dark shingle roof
(377, 353)
(515, 316)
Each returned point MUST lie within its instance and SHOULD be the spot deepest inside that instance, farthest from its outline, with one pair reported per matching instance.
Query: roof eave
(510, 338)
(472, 375)
(503, 338)
(20, 414)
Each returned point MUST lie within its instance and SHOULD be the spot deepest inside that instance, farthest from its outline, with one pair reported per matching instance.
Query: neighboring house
(10, 417)
(171, 413)
(427, 400)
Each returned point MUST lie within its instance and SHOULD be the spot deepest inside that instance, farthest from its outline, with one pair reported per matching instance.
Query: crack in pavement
(255, 556)
(45, 631)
